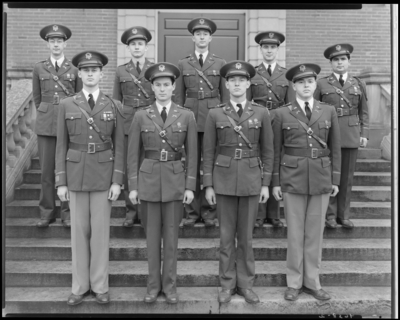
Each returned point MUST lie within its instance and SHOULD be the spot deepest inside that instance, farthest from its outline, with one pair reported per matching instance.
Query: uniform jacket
(229, 176)
(351, 125)
(79, 170)
(162, 181)
(260, 93)
(44, 87)
(305, 175)
(125, 90)
(190, 81)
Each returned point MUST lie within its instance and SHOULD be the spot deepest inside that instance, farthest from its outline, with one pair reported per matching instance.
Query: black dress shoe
(209, 223)
(43, 223)
(331, 223)
(189, 222)
(66, 223)
(102, 298)
(128, 223)
(259, 223)
(346, 223)
(171, 297)
(292, 294)
(276, 223)
(248, 294)
(317, 294)
(225, 295)
(150, 297)
(75, 299)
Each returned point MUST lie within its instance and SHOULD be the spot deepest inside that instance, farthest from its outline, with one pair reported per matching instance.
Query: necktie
(201, 60)
(91, 101)
(341, 80)
(138, 67)
(57, 67)
(164, 114)
(308, 110)
(269, 69)
(240, 111)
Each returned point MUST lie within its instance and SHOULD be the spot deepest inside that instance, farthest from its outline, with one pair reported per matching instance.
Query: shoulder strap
(269, 85)
(238, 130)
(312, 134)
(362, 85)
(136, 81)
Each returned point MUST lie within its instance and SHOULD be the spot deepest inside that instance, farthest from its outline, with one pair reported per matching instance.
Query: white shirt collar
(59, 61)
(141, 63)
(302, 106)
(160, 107)
(94, 94)
(236, 107)
(338, 76)
(273, 65)
(204, 55)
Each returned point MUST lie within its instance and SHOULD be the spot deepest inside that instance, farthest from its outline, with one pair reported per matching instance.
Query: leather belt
(131, 102)
(269, 104)
(238, 153)
(310, 153)
(162, 155)
(90, 147)
(346, 112)
(200, 95)
(50, 99)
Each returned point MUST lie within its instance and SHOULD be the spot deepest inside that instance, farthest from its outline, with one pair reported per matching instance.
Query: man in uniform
(134, 91)
(306, 173)
(89, 174)
(161, 184)
(200, 88)
(270, 88)
(238, 179)
(348, 94)
(53, 80)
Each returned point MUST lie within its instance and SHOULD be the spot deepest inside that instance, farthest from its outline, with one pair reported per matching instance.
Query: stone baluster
(12, 157)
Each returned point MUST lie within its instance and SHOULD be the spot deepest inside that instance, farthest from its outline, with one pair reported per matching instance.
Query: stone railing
(16, 74)
(21, 141)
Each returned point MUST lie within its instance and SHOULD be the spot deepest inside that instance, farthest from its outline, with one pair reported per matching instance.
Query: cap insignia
(134, 31)
(271, 35)
(338, 47)
(55, 27)
(302, 68)
(201, 21)
(238, 65)
(88, 55)
(161, 67)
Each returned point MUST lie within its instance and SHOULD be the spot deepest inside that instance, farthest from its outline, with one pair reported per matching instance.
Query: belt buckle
(163, 133)
(237, 128)
(270, 105)
(309, 131)
(163, 155)
(238, 154)
(339, 112)
(200, 95)
(314, 153)
(90, 120)
(91, 147)
(136, 102)
(56, 99)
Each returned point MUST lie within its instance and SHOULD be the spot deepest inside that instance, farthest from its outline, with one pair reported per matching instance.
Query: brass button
(90, 128)
(201, 88)
(309, 137)
(163, 141)
(201, 81)
(269, 98)
(310, 144)
(56, 93)
(341, 105)
(222, 127)
(56, 86)
(139, 94)
(72, 117)
(180, 130)
(67, 158)
(269, 91)
(256, 127)
(341, 98)
(146, 130)
(288, 128)
(240, 144)
(90, 137)
(110, 158)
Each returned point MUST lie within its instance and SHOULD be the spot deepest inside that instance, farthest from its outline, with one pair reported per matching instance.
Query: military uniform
(271, 91)
(49, 87)
(88, 164)
(193, 92)
(353, 122)
(129, 85)
(306, 165)
(162, 179)
(236, 174)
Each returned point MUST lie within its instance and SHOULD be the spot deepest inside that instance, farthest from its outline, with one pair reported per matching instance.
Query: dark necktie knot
(308, 110)
(138, 67)
(240, 111)
(201, 60)
(57, 67)
(341, 80)
(269, 69)
(91, 101)
(164, 114)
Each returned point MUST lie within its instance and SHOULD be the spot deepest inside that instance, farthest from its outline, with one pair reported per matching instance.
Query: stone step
(369, 153)
(358, 210)
(359, 193)
(202, 300)
(364, 228)
(360, 178)
(59, 249)
(373, 165)
(196, 273)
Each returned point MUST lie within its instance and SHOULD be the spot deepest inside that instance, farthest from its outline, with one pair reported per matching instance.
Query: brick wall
(310, 32)
(92, 29)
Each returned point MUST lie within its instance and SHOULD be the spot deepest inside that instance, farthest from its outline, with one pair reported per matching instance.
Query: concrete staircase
(356, 267)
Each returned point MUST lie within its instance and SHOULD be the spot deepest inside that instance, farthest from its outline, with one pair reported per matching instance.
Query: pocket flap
(147, 166)
(255, 125)
(188, 72)
(353, 120)
(43, 107)
(326, 161)
(289, 161)
(125, 79)
(289, 126)
(212, 72)
(178, 166)
(282, 83)
(257, 82)
(72, 116)
(74, 155)
(147, 129)
(253, 162)
(223, 161)
(353, 91)
(44, 76)
(326, 124)
(328, 91)
(68, 77)
(222, 124)
(105, 156)
(180, 128)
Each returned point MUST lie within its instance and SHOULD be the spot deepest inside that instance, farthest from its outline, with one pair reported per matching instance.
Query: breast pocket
(324, 129)
(329, 96)
(44, 82)
(281, 88)
(223, 131)
(148, 136)
(290, 130)
(354, 96)
(258, 88)
(189, 77)
(73, 121)
(178, 134)
(213, 76)
(127, 85)
(107, 122)
(68, 81)
(254, 131)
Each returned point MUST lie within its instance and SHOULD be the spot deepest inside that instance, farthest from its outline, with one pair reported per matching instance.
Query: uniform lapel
(208, 62)
(145, 67)
(194, 62)
(80, 101)
(229, 110)
(173, 114)
(262, 71)
(153, 114)
(101, 103)
(298, 113)
(277, 72)
(349, 82)
(49, 66)
(65, 66)
(132, 69)
(333, 81)
(316, 113)
(247, 112)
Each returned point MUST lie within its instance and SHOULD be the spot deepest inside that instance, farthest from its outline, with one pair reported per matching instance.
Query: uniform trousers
(90, 237)
(270, 210)
(305, 222)
(200, 206)
(47, 202)
(161, 221)
(339, 206)
(236, 216)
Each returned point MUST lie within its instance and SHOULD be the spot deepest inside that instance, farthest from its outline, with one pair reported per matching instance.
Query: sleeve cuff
(336, 178)
(266, 181)
(207, 180)
(191, 183)
(275, 180)
(61, 179)
(118, 177)
(133, 183)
